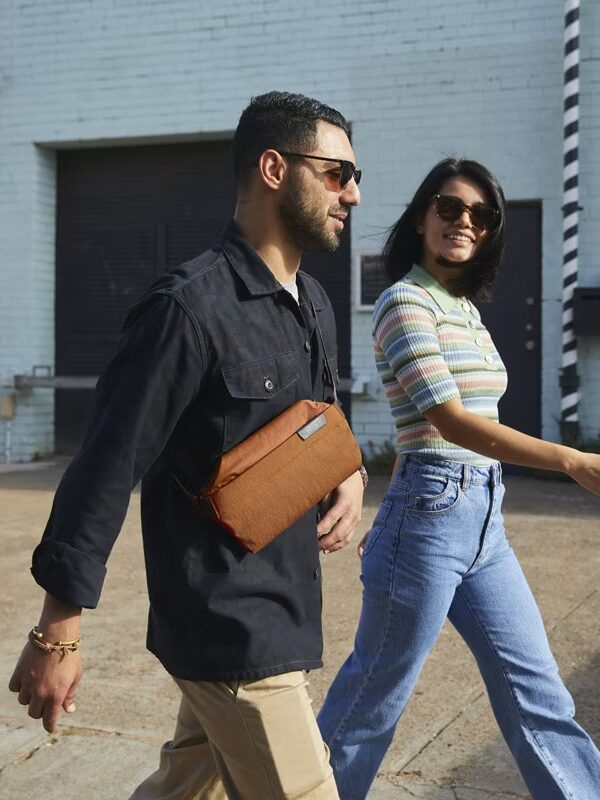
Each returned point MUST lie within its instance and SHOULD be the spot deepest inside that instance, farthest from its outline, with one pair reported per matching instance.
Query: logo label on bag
(312, 427)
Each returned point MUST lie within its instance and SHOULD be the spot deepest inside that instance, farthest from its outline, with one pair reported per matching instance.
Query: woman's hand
(360, 548)
(497, 441)
(585, 469)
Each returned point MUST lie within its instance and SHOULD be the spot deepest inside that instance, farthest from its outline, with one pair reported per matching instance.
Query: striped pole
(569, 378)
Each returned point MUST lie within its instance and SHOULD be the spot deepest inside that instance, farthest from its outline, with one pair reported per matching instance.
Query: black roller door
(514, 318)
(125, 215)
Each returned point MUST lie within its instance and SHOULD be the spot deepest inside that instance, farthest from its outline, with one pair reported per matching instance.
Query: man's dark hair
(404, 244)
(281, 121)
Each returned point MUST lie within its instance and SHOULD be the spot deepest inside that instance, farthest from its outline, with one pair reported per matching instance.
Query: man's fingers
(24, 696)
(339, 537)
(69, 701)
(14, 683)
(52, 713)
(336, 513)
(327, 522)
(36, 708)
(341, 543)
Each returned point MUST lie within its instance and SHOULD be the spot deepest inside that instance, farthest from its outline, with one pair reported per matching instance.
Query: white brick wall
(417, 80)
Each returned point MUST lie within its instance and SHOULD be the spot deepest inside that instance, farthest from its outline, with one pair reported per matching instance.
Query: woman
(437, 547)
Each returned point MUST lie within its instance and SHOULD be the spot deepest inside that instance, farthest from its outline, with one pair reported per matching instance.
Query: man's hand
(337, 526)
(47, 683)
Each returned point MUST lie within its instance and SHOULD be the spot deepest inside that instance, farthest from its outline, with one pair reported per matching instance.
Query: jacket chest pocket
(255, 393)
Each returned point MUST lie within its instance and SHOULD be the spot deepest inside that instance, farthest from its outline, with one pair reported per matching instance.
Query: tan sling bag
(264, 484)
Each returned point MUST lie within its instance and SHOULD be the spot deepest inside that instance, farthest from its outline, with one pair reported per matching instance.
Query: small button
(472, 323)
(268, 384)
(466, 307)
(316, 574)
(307, 346)
(489, 358)
(479, 341)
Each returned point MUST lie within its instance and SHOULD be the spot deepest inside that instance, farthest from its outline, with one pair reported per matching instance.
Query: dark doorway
(125, 215)
(514, 317)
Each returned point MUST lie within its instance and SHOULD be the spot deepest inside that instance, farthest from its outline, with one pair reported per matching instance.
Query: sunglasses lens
(345, 173)
(348, 172)
(483, 216)
(448, 208)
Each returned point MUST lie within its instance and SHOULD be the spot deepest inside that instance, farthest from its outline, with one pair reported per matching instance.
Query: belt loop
(401, 466)
(466, 477)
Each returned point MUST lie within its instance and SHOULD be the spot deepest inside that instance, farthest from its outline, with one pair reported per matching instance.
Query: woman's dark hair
(282, 121)
(404, 244)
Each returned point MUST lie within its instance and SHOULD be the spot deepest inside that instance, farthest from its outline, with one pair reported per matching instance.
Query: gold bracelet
(36, 638)
(364, 475)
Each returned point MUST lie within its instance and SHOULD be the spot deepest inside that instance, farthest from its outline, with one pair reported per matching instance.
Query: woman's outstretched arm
(492, 439)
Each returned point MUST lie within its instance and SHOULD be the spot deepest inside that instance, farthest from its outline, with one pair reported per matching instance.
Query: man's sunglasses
(450, 208)
(347, 168)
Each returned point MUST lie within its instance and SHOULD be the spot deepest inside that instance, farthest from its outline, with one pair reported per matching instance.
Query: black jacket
(214, 350)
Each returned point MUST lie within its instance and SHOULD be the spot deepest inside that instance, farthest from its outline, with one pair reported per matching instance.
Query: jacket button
(316, 574)
(307, 346)
(268, 384)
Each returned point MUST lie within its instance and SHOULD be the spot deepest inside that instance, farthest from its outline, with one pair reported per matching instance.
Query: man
(212, 352)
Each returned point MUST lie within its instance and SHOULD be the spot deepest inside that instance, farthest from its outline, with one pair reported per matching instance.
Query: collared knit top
(431, 347)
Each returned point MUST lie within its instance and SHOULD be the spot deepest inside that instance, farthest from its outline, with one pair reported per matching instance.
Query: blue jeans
(438, 549)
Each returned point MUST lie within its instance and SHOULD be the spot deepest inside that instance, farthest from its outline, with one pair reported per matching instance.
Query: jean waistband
(466, 474)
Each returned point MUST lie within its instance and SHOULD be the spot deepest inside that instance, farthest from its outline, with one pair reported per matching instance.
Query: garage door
(125, 215)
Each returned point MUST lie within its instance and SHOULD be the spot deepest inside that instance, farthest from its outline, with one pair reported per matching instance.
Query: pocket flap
(261, 379)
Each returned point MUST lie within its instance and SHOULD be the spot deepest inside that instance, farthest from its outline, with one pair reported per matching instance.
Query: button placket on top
(302, 334)
(472, 320)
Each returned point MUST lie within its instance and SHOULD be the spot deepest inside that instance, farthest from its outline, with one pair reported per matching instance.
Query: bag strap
(329, 370)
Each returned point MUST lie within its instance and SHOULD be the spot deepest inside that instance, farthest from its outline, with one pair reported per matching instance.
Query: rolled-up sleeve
(405, 333)
(155, 374)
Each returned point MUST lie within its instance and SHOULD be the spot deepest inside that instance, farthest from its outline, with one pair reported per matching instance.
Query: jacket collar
(249, 266)
(425, 280)
(252, 270)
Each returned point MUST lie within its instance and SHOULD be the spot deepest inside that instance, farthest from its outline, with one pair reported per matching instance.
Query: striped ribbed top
(431, 347)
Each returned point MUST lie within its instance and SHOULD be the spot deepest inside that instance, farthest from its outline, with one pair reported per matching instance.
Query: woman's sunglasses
(450, 208)
(347, 168)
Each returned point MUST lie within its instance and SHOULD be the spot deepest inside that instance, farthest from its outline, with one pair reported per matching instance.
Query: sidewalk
(446, 747)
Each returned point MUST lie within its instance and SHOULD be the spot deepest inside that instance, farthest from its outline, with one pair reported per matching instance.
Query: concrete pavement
(446, 747)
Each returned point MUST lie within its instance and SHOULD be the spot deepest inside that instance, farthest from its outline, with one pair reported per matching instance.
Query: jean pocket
(434, 494)
(378, 525)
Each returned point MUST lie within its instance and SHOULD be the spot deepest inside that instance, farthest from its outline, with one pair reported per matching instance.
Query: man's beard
(304, 221)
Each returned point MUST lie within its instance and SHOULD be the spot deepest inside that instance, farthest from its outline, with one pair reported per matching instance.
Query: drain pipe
(7, 413)
(569, 379)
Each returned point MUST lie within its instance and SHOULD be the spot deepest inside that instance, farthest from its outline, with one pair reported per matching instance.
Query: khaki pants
(247, 740)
